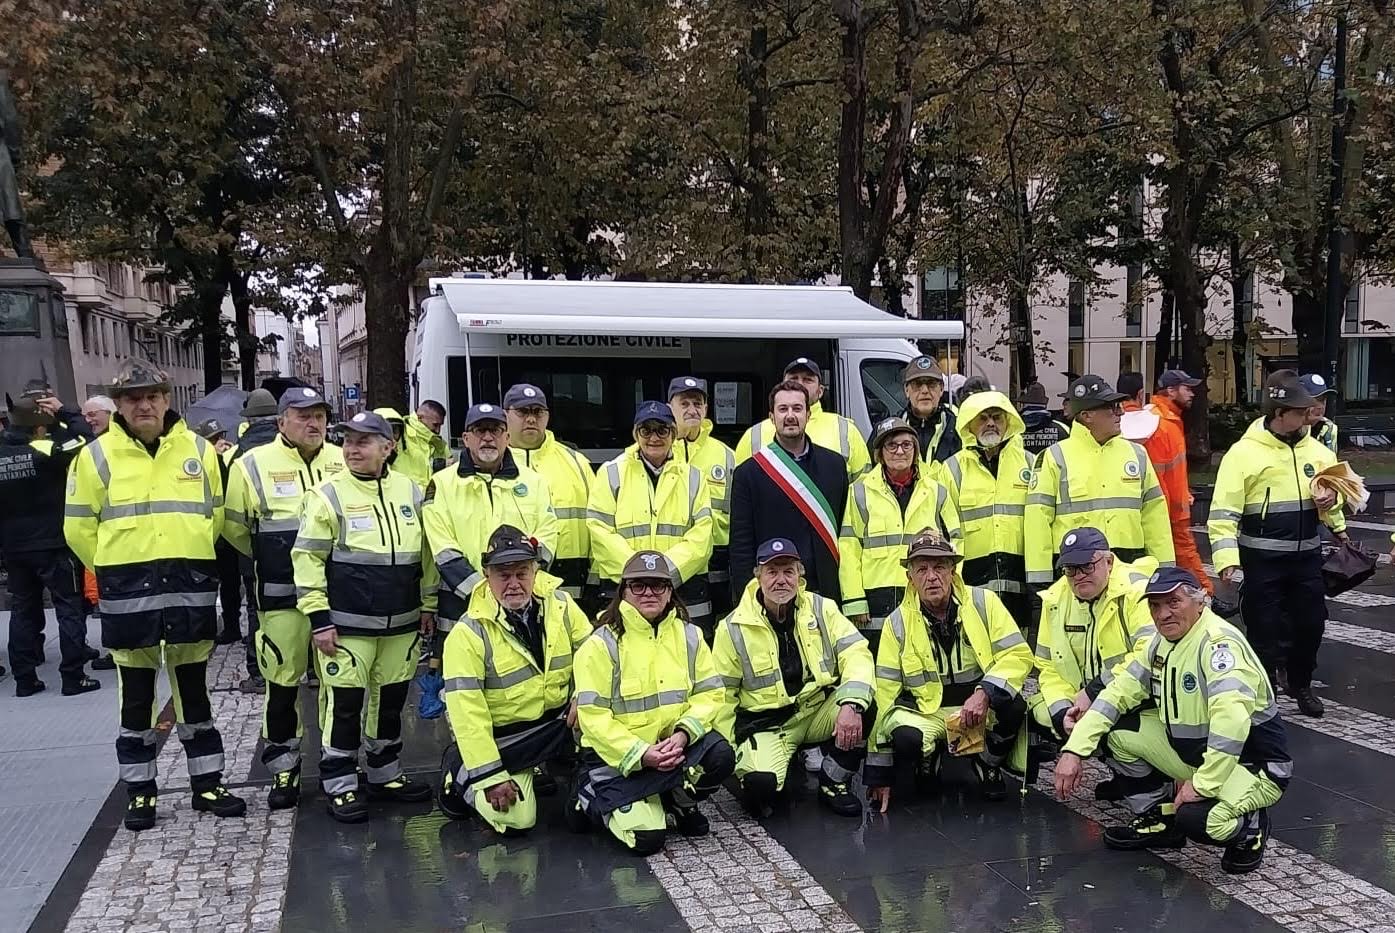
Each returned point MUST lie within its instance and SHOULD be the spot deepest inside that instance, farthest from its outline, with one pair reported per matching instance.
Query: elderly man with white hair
(97, 412)
(1208, 757)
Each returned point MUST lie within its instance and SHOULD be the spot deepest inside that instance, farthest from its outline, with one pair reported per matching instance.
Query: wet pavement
(953, 863)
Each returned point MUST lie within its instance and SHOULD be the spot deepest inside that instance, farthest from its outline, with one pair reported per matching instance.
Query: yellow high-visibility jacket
(266, 490)
(569, 477)
(421, 450)
(1110, 486)
(639, 686)
(872, 542)
(358, 557)
(746, 653)
(628, 513)
(1080, 645)
(493, 680)
(715, 461)
(991, 509)
(1213, 697)
(1263, 501)
(911, 672)
(464, 507)
(146, 524)
(827, 429)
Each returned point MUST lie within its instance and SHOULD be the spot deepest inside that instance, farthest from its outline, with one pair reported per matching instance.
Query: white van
(598, 348)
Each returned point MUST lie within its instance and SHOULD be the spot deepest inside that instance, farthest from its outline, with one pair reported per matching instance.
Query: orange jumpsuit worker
(1167, 448)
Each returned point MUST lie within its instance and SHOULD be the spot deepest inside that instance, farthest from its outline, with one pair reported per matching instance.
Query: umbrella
(224, 403)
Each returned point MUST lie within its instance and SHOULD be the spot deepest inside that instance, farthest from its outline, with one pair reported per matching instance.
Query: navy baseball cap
(1316, 385)
(806, 364)
(524, 395)
(775, 548)
(681, 384)
(653, 411)
(484, 412)
(298, 397)
(1167, 579)
(1079, 547)
(368, 422)
(1090, 392)
(1177, 377)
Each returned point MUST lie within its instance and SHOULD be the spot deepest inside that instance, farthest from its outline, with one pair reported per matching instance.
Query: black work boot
(80, 685)
(400, 790)
(576, 818)
(1152, 830)
(348, 807)
(1111, 790)
(1308, 702)
(990, 781)
(140, 812)
(927, 775)
(544, 784)
(1243, 857)
(27, 688)
(285, 790)
(220, 802)
(686, 818)
(838, 797)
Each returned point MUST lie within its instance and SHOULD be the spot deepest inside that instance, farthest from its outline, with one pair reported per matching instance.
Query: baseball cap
(367, 422)
(1080, 546)
(1177, 377)
(930, 543)
(508, 545)
(1284, 389)
(922, 367)
(1090, 392)
(300, 398)
(210, 428)
(483, 412)
(806, 364)
(887, 427)
(648, 565)
(1317, 386)
(653, 411)
(1167, 579)
(524, 395)
(680, 384)
(776, 548)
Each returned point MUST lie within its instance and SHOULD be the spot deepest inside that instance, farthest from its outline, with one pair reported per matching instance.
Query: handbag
(1346, 565)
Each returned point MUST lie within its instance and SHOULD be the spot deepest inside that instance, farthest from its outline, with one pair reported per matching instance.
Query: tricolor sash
(791, 479)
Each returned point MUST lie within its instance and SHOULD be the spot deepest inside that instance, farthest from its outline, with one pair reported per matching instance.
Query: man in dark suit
(792, 488)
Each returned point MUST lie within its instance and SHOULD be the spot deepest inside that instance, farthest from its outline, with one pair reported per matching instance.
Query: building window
(1133, 301)
(1075, 305)
(1130, 358)
(941, 298)
(104, 343)
(1351, 312)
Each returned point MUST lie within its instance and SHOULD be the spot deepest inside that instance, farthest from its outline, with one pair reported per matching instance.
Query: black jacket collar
(507, 470)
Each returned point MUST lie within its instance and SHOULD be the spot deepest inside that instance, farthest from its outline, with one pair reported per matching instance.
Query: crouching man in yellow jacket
(797, 674)
(508, 672)
(648, 699)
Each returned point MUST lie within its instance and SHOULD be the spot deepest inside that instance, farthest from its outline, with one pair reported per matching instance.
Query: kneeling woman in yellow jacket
(508, 673)
(648, 698)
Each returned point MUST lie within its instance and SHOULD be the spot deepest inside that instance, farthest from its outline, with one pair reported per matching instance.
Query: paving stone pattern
(1360, 636)
(1347, 723)
(1294, 889)
(739, 879)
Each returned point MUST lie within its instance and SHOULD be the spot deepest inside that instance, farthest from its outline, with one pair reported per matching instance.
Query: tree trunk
(247, 341)
(1309, 319)
(1240, 274)
(1024, 368)
(386, 292)
(211, 336)
(857, 265)
(1162, 341)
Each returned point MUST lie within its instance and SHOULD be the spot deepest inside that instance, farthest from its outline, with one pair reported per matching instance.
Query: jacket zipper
(1298, 487)
(391, 545)
(1172, 679)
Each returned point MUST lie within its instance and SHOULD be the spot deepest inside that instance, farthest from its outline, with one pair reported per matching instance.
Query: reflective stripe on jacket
(1263, 501)
(266, 491)
(493, 680)
(146, 525)
(1213, 697)
(715, 461)
(1110, 486)
(569, 477)
(628, 513)
(639, 686)
(747, 657)
(358, 557)
(825, 428)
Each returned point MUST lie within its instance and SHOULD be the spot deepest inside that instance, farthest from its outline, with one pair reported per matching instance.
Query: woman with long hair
(647, 700)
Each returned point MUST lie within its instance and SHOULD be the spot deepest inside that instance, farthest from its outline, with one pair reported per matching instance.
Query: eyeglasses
(649, 587)
(899, 447)
(487, 429)
(526, 413)
(655, 430)
(1079, 570)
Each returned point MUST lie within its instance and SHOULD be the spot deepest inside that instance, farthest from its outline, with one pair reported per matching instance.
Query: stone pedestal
(33, 329)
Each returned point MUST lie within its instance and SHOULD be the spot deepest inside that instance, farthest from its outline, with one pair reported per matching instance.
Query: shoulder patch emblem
(1221, 659)
(520, 489)
(1026, 476)
(1131, 469)
(1309, 470)
(718, 472)
(331, 668)
(406, 511)
(1189, 682)
(192, 467)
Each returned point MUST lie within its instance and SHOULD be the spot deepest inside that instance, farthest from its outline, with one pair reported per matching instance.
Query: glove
(430, 705)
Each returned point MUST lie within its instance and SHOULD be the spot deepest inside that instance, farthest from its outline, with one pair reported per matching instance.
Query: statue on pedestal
(11, 138)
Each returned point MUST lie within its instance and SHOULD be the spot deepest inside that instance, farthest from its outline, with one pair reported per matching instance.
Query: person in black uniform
(33, 476)
(1043, 430)
(791, 489)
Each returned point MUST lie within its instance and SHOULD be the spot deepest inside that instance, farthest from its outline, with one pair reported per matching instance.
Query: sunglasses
(1079, 570)
(526, 413)
(649, 587)
(655, 430)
